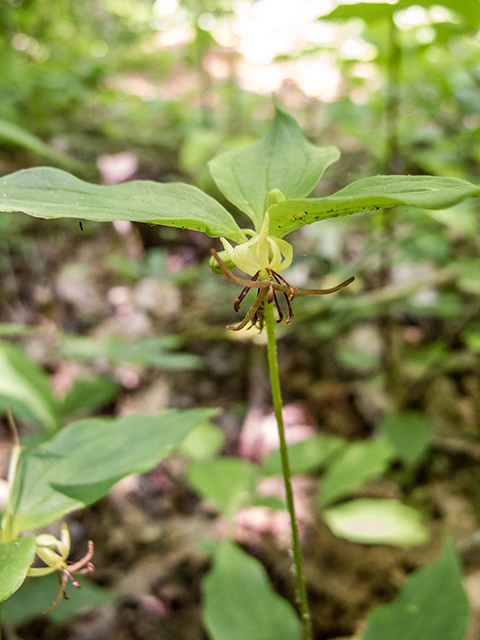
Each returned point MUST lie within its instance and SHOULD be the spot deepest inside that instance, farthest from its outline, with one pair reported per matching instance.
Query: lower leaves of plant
(432, 604)
(70, 471)
(84, 460)
(239, 602)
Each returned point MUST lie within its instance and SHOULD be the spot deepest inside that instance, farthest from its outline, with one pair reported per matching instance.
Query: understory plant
(269, 181)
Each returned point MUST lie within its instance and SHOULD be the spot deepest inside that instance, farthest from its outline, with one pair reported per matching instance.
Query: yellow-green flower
(263, 257)
(261, 253)
(54, 554)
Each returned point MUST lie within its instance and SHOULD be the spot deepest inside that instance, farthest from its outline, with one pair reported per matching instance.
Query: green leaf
(409, 433)
(354, 466)
(45, 192)
(16, 557)
(25, 387)
(379, 192)
(88, 394)
(431, 605)
(239, 603)
(38, 594)
(304, 456)
(227, 481)
(20, 136)
(377, 522)
(372, 12)
(84, 460)
(154, 352)
(281, 159)
(203, 442)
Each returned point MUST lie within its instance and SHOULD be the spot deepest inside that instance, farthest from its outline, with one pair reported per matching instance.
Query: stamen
(281, 279)
(279, 311)
(315, 292)
(275, 283)
(252, 312)
(238, 301)
(271, 292)
(288, 298)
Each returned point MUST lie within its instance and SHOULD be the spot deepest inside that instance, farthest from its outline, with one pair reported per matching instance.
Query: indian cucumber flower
(263, 257)
(261, 253)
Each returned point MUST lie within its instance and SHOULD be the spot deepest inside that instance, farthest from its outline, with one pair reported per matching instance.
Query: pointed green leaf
(16, 557)
(227, 481)
(357, 463)
(18, 135)
(204, 442)
(431, 605)
(305, 456)
(282, 159)
(379, 192)
(51, 193)
(25, 387)
(409, 433)
(88, 394)
(84, 460)
(377, 522)
(155, 352)
(239, 603)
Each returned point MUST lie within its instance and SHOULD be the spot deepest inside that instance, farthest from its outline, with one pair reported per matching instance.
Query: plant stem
(6, 523)
(277, 405)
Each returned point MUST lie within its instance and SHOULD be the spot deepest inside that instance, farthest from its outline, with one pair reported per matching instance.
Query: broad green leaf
(158, 351)
(20, 136)
(16, 557)
(368, 194)
(38, 594)
(239, 603)
(45, 192)
(372, 12)
(432, 604)
(377, 522)
(84, 460)
(25, 387)
(357, 463)
(227, 481)
(305, 456)
(282, 159)
(203, 442)
(88, 394)
(409, 433)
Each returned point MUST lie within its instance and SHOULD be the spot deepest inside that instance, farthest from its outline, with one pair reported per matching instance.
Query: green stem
(277, 405)
(6, 524)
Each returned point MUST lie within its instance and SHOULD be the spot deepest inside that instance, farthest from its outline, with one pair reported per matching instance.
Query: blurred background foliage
(114, 90)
